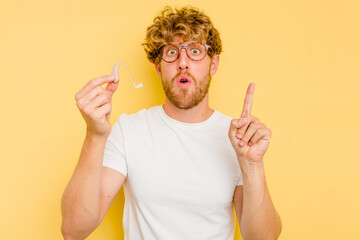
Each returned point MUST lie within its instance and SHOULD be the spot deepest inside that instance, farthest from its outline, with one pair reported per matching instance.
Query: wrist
(252, 168)
(93, 137)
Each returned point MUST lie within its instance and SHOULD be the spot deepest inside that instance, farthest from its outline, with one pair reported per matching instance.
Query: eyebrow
(182, 44)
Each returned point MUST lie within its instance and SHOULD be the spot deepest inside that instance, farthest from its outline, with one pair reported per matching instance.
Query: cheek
(165, 69)
(203, 67)
(203, 71)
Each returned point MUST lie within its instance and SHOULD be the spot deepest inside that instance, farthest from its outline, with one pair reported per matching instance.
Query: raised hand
(249, 137)
(94, 103)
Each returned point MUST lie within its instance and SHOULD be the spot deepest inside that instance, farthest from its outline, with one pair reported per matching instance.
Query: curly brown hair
(189, 23)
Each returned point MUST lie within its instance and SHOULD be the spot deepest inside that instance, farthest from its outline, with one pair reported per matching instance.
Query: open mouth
(183, 81)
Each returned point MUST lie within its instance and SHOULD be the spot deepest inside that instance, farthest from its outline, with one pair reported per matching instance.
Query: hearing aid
(116, 74)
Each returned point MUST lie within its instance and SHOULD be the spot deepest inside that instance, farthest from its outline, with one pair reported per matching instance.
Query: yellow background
(302, 55)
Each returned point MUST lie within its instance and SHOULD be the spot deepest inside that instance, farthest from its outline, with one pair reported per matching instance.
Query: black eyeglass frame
(186, 50)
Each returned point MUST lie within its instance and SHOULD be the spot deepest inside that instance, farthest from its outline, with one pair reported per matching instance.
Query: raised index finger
(248, 100)
(93, 83)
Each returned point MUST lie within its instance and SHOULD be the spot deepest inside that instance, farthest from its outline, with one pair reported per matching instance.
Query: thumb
(237, 123)
(111, 87)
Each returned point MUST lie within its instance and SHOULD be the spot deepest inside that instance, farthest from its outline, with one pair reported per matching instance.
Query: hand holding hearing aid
(94, 103)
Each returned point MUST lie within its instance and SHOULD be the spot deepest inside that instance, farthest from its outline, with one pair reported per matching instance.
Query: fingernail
(239, 135)
(242, 121)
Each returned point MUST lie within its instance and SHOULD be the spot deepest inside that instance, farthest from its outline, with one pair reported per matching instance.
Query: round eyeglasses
(195, 51)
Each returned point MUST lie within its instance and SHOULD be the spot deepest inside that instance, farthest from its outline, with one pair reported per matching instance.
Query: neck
(199, 113)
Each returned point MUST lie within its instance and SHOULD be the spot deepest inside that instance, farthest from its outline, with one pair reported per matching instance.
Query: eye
(171, 52)
(195, 51)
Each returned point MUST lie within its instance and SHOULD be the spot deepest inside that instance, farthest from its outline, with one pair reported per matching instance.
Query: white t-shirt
(181, 176)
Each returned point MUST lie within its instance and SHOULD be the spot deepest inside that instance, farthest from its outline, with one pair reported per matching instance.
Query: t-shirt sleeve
(240, 181)
(114, 153)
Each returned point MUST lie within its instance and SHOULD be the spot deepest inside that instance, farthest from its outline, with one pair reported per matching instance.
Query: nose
(183, 62)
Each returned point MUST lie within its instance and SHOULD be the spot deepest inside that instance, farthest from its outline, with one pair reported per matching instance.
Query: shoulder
(139, 117)
(222, 119)
(222, 116)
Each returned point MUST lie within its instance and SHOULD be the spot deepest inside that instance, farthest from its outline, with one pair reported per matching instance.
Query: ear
(158, 69)
(214, 64)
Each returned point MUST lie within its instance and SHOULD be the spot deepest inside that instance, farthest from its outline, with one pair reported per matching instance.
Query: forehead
(180, 41)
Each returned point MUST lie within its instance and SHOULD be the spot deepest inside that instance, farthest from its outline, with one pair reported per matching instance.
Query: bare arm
(89, 193)
(92, 187)
(256, 214)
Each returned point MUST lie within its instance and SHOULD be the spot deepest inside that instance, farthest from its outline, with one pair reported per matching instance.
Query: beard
(186, 98)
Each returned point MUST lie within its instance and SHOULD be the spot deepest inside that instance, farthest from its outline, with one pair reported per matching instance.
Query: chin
(186, 107)
(187, 103)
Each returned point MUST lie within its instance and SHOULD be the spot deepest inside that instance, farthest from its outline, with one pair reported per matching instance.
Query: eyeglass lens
(196, 51)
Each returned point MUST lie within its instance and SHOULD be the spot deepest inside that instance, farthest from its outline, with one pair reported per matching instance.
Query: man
(183, 164)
